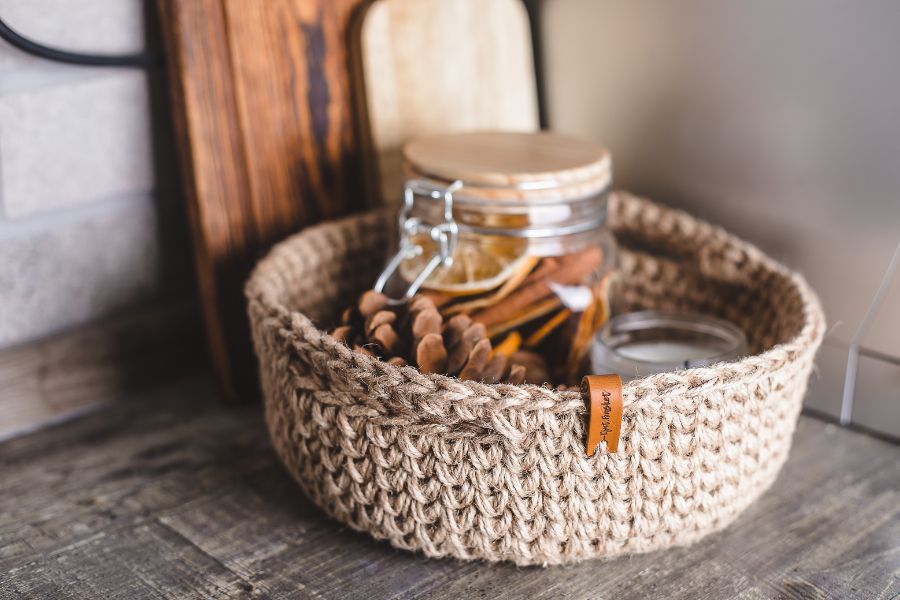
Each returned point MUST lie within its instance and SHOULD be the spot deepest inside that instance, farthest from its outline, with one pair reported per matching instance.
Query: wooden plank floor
(170, 495)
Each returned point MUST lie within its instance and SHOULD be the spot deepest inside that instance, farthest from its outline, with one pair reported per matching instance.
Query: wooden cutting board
(267, 97)
(264, 118)
(441, 66)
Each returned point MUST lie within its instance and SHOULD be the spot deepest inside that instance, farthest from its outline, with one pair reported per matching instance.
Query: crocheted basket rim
(505, 396)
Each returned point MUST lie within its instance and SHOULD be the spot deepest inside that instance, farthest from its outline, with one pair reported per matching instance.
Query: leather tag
(602, 396)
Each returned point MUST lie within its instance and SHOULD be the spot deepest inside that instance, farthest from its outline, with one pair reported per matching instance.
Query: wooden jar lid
(501, 165)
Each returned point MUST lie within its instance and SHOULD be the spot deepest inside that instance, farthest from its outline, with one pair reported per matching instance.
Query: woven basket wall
(498, 472)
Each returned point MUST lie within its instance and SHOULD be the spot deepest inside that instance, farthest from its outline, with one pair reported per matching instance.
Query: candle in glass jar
(664, 351)
(647, 342)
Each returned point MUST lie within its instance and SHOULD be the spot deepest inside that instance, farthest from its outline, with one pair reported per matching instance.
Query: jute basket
(498, 472)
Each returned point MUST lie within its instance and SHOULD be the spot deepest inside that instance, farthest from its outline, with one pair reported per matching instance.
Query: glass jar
(651, 341)
(509, 229)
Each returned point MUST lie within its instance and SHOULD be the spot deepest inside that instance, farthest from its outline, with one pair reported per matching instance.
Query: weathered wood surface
(96, 363)
(171, 495)
(264, 120)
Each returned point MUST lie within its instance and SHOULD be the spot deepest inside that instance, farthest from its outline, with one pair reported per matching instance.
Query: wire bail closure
(445, 235)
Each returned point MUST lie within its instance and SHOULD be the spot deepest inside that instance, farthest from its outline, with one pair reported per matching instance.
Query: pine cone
(415, 333)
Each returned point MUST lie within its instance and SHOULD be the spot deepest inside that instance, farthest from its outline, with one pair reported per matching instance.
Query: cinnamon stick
(508, 287)
(529, 313)
(510, 344)
(541, 333)
(571, 269)
(582, 338)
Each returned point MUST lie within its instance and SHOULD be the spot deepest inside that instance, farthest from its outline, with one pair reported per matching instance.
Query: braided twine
(498, 472)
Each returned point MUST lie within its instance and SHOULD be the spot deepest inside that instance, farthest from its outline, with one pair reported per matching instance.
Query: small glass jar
(509, 229)
(643, 343)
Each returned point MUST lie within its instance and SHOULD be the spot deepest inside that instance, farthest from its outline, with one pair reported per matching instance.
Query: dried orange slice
(478, 266)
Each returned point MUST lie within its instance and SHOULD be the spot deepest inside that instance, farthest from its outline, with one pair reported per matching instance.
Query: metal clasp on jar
(445, 235)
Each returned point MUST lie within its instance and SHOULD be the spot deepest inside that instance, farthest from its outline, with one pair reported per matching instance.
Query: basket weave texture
(498, 472)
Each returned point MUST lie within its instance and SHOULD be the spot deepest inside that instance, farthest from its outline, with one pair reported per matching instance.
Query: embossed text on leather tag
(602, 396)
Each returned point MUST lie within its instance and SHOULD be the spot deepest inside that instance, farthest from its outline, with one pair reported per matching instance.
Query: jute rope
(498, 472)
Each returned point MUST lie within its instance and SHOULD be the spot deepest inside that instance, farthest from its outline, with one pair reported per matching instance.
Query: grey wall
(779, 120)
(88, 226)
